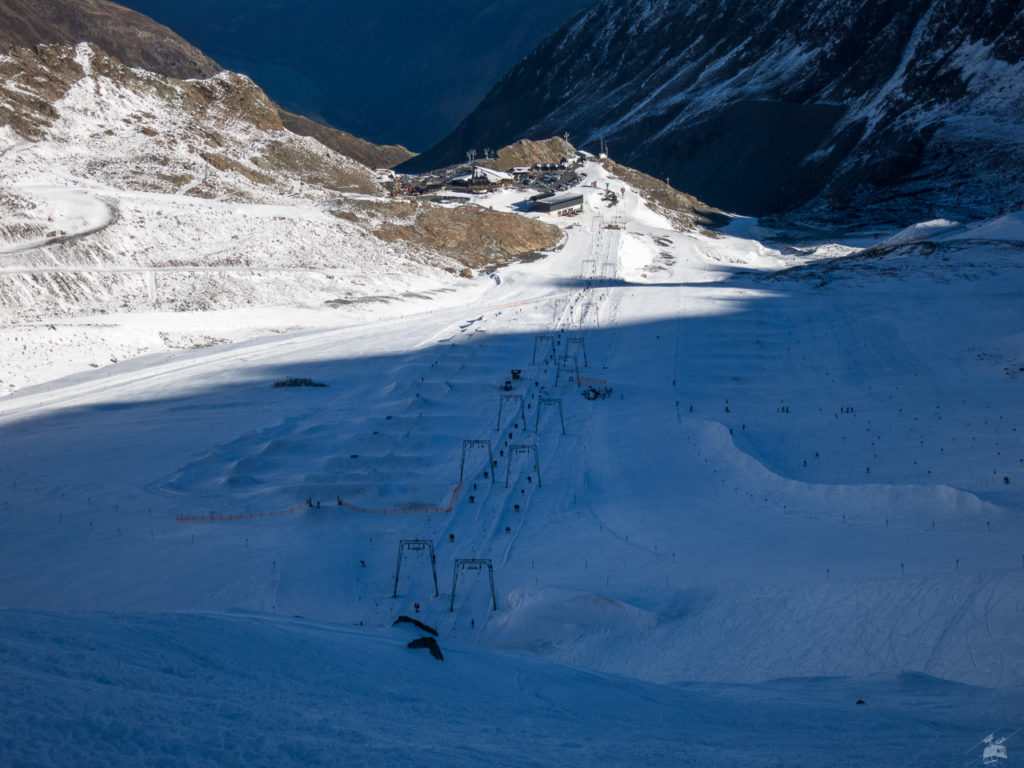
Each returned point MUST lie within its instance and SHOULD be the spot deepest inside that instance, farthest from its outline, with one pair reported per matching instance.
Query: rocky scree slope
(901, 109)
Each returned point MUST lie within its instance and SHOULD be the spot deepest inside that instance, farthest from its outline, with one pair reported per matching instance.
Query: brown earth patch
(473, 236)
(331, 170)
(31, 80)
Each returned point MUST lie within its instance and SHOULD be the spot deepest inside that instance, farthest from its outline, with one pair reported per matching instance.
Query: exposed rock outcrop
(430, 644)
(685, 211)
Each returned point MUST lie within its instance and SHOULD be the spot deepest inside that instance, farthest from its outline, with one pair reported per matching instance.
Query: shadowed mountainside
(393, 71)
(889, 110)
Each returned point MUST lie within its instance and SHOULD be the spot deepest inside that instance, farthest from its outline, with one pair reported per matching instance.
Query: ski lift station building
(563, 205)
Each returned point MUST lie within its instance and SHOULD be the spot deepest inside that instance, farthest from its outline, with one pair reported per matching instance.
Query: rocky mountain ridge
(139, 41)
(893, 110)
(154, 133)
(134, 38)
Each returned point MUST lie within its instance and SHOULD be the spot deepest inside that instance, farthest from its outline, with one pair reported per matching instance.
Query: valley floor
(799, 485)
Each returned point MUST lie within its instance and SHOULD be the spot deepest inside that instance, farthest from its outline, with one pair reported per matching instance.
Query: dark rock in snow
(429, 643)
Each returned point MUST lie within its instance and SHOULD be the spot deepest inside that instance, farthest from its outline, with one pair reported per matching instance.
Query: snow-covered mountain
(902, 109)
(124, 190)
(139, 41)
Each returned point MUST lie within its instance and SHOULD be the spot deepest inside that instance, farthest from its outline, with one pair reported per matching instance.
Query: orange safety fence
(240, 516)
(411, 510)
(587, 382)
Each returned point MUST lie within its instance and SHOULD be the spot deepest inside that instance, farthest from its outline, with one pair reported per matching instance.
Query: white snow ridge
(745, 503)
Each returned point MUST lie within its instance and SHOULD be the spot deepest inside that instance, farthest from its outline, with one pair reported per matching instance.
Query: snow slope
(808, 468)
(239, 689)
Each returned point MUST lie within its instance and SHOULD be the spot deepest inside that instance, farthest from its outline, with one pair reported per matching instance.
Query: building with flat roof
(563, 205)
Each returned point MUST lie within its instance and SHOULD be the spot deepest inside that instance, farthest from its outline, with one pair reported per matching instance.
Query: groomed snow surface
(801, 490)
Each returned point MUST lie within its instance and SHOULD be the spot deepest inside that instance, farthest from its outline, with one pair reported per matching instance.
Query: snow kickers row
(309, 504)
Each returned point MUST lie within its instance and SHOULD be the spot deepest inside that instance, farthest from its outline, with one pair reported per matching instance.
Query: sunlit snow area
(786, 529)
(143, 222)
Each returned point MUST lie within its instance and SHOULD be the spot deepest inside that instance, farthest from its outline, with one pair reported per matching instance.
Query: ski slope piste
(734, 486)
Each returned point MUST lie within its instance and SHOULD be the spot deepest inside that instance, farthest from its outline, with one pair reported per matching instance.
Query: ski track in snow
(721, 516)
(99, 222)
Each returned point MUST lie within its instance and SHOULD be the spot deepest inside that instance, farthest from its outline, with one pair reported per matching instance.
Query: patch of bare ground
(477, 238)
(686, 212)
(189, 341)
(330, 170)
(370, 155)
